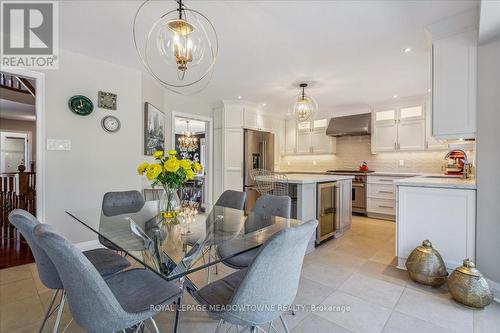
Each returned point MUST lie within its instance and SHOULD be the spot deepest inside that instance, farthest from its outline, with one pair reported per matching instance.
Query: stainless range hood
(359, 124)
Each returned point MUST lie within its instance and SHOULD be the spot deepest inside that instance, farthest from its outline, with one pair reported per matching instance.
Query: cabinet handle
(385, 180)
(386, 192)
(382, 206)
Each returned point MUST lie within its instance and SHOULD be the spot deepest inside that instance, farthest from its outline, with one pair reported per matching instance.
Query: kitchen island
(439, 208)
(323, 197)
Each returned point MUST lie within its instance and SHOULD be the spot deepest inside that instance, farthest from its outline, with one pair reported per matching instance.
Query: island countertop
(308, 178)
(438, 180)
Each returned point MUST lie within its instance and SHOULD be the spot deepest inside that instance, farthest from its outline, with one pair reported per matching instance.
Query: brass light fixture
(188, 141)
(179, 48)
(304, 105)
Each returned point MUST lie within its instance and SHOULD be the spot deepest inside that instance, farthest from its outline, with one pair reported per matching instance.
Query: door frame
(26, 135)
(39, 78)
(210, 148)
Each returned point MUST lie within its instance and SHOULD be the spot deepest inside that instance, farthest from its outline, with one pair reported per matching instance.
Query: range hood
(359, 124)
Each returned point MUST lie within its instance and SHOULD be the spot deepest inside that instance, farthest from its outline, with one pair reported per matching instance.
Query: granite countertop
(309, 178)
(430, 180)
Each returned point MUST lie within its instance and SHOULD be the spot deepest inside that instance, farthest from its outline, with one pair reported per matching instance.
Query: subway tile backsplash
(352, 151)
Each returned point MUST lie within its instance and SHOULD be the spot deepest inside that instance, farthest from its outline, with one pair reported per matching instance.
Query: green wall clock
(81, 105)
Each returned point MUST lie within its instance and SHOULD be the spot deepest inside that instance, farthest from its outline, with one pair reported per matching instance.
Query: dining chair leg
(59, 313)
(177, 314)
(154, 325)
(284, 324)
(49, 310)
(209, 261)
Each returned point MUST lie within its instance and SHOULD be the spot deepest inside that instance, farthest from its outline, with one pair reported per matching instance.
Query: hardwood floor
(14, 250)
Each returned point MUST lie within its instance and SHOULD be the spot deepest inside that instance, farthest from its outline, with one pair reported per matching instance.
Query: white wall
(98, 162)
(488, 160)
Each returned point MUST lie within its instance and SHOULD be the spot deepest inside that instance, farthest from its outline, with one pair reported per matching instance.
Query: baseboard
(89, 245)
(496, 289)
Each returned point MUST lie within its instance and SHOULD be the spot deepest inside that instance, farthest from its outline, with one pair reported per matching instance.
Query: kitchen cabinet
(290, 137)
(445, 216)
(257, 119)
(399, 128)
(454, 75)
(431, 143)
(312, 138)
(381, 196)
(228, 148)
(454, 86)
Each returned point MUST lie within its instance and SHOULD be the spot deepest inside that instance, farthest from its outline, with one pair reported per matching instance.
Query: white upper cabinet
(401, 127)
(431, 142)
(257, 119)
(454, 69)
(312, 138)
(290, 141)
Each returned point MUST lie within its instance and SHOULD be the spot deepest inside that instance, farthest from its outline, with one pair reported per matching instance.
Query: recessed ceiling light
(239, 97)
(407, 50)
(429, 90)
(395, 96)
(264, 104)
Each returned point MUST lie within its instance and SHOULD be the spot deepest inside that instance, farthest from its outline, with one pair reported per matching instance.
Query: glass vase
(170, 205)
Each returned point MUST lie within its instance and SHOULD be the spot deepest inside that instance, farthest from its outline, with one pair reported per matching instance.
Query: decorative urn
(468, 286)
(426, 266)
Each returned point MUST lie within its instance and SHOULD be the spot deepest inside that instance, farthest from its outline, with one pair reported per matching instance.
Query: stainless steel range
(358, 188)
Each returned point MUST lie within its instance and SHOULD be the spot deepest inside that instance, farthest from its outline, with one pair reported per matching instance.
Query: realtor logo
(29, 34)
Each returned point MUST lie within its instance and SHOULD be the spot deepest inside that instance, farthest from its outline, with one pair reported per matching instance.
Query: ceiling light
(188, 141)
(239, 97)
(407, 50)
(264, 104)
(304, 105)
(178, 47)
(395, 96)
(429, 90)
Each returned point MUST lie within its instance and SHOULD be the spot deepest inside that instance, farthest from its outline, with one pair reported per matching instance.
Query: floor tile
(436, 309)
(17, 290)
(373, 290)
(20, 312)
(362, 317)
(13, 274)
(488, 319)
(401, 323)
(327, 275)
(384, 272)
(313, 323)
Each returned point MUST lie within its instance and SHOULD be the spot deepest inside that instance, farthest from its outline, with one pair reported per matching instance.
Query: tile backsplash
(353, 150)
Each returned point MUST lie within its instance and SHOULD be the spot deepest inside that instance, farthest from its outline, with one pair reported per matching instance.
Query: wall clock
(110, 124)
(81, 105)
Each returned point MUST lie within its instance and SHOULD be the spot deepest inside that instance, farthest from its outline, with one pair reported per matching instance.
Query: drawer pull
(390, 192)
(385, 180)
(382, 206)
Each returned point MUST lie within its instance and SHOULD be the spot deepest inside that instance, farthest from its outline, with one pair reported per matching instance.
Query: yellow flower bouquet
(171, 173)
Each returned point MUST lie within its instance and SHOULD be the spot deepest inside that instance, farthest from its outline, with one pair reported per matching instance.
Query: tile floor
(356, 270)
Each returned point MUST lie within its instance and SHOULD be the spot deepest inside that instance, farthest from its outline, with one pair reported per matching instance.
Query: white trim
(210, 148)
(26, 135)
(89, 245)
(496, 289)
(39, 78)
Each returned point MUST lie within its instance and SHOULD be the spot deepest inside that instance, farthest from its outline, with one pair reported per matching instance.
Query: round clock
(81, 105)
(110, 124)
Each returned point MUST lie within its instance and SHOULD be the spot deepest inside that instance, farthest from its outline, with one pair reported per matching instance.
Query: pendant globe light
(304, 105)
(177, 45)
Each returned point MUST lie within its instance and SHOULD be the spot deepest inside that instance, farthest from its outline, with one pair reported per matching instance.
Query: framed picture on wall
(154, 129)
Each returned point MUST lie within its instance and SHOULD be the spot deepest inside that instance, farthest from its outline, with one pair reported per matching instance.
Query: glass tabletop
(176, 250)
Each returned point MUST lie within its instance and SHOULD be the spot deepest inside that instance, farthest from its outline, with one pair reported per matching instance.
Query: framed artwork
(154, 129)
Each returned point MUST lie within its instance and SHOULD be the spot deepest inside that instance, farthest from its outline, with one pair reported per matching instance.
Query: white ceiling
(195, 126)
(351, 51)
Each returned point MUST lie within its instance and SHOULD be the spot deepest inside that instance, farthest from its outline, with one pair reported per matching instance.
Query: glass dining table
(175, 250)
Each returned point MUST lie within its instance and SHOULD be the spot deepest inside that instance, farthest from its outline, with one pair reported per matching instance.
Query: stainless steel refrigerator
(258, 153)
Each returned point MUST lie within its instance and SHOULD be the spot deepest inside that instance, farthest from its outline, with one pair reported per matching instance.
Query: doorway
(21, 93)
(191, 137)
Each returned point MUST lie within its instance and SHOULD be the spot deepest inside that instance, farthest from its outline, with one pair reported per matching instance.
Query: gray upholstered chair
(232, 199)
(259, 294)
(118, 203)
(106, 262)
(124, 300)
(266, 205)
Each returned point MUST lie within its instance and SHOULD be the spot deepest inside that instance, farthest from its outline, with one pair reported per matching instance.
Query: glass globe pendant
(304, 105)
(179, 49)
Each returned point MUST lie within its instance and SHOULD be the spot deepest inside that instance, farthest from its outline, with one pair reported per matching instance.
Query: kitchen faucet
(467, 165)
